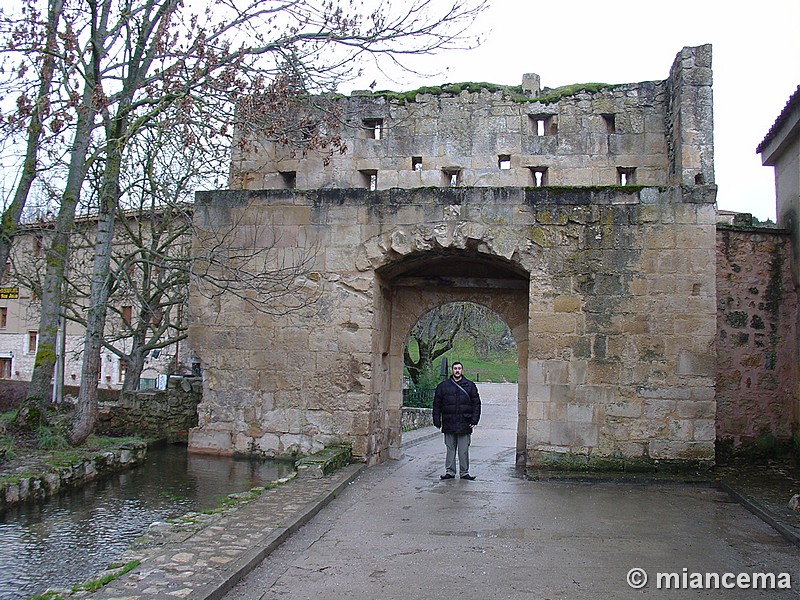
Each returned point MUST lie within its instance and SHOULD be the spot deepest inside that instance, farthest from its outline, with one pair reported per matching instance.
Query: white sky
(756, 62)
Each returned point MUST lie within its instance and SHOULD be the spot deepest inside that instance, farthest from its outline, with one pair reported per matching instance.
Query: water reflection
(71, 537)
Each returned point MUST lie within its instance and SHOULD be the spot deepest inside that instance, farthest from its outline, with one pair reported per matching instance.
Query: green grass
(499, 367)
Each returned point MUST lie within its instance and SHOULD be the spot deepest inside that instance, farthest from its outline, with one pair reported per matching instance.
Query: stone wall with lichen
(161, 414)
(583, 216)
(756, 340)
(610, 293)
(647, 133)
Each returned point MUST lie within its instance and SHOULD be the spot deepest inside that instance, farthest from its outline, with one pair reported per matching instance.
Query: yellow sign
(9, 293)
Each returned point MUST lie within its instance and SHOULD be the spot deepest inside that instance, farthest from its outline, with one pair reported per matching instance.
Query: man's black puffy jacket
(454, 408)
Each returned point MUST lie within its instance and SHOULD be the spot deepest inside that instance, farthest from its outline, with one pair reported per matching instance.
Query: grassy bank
(499, 367)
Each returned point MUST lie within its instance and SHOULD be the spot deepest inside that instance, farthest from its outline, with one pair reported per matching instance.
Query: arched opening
(478, 338)
(420, 282)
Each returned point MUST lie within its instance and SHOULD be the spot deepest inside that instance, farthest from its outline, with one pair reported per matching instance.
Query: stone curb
(788, 532)
(250, 559)
(418, 436)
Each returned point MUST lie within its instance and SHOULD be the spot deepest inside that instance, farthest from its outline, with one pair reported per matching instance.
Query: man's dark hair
(457, 363)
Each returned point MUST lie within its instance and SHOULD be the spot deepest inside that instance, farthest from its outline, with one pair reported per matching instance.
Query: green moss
(453, 89)
(556, 94)
(45, 355)
(235, 500)
(512, 92)
(96, 584)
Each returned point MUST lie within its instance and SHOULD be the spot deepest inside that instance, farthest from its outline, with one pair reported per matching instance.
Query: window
(370, 179)
(504, 162)
(127, 315)
(539, 176)
(33, 339)
(3, 317)
(289, 179)
(626, 175)
(123, 368)
(416, 163)
(374, 128)
(610, 121)
(451, 177)
(699, 179)
(542, 125)
(5, 368)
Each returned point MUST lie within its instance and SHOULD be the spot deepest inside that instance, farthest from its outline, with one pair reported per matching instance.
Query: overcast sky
(756, 61)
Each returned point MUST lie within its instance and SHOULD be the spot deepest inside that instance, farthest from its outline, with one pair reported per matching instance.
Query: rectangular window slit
(416, 163)
(610, 121)
(370, 179)
(374, 128)
(33, 339)
(539, 176)
(451, 177)
(626, 175)
(542, 125)
(289, 179)
(504, 162)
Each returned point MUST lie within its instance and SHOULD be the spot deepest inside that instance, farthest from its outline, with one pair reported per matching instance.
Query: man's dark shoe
(468, 476)
(447, 476)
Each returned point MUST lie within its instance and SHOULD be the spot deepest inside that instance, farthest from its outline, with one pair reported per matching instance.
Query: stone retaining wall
(415, 418)
(27, 485)
(164, 414)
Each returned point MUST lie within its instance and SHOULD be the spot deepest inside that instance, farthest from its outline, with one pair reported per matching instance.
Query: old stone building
(584, 216)
(780, 149)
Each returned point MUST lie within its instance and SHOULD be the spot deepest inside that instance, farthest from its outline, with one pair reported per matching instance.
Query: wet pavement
(397, 531)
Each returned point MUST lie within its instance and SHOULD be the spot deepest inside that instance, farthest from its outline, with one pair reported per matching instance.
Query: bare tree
(487, 332)
(437, 331)
(137, 59)
(33, 107)
(434, 335)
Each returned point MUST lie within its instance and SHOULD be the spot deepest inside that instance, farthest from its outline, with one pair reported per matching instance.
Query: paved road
(398, 532)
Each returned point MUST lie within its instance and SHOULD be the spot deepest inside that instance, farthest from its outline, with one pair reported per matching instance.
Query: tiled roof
(794, 101)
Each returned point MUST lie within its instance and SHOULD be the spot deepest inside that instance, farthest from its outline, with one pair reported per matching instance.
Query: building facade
(584, 216)
(19, 308)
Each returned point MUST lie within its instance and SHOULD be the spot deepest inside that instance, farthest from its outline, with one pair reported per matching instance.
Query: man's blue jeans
(457, 445)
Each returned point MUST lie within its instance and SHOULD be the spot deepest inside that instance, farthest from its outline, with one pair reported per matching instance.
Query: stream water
(76, 534)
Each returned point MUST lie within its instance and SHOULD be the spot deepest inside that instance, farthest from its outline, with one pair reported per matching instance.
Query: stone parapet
(480, 135)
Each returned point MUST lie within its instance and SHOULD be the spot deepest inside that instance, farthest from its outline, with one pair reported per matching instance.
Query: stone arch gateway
(430, 279)
(584, 215)
(610, 291)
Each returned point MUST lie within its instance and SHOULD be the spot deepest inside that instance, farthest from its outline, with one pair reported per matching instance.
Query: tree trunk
(57, 262)
(86, 413)
(13, 214)
(136, 359)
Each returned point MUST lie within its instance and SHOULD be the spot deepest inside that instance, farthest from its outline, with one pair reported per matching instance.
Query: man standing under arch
(456, 411)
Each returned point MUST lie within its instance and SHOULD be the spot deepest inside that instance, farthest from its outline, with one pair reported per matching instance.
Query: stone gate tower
(584, 216)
